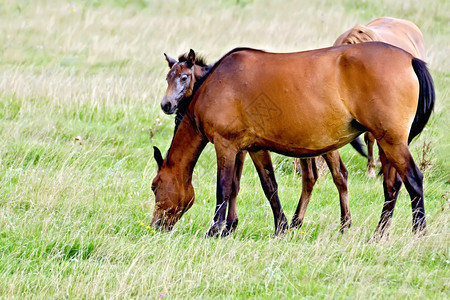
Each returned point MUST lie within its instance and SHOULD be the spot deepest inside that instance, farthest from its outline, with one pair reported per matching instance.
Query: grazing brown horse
(401, 33)
(317, 101)
(181, 80)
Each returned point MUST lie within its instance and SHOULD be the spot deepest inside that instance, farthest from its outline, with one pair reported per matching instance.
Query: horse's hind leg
(340, 175)
(263, 165)
(309, 178)
(400, 158)
(232, 216)
(391, 186)
(370, 141)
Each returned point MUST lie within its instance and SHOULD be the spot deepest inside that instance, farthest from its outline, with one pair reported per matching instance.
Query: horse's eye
(153, 188)
(184, 78)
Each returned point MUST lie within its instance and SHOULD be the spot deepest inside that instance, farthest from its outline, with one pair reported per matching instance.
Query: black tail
(426, 98)
(359, 146)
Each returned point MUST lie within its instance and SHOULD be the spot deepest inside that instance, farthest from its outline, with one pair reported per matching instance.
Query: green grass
(80, 85)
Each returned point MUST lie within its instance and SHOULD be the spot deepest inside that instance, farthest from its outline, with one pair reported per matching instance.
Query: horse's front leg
(263, 165)
(232, 216)
(340, 175)
(226, 159)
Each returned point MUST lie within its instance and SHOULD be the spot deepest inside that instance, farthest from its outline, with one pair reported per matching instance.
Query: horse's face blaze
(180, 83)
(172, 199)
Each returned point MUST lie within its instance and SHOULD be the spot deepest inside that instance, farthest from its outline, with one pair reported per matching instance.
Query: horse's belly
(305, 144)
(308, 129)
(289, 127)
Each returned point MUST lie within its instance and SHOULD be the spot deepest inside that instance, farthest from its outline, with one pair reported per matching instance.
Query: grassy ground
(80, 85)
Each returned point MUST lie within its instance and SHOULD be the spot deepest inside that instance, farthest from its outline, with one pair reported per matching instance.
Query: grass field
(80, 86)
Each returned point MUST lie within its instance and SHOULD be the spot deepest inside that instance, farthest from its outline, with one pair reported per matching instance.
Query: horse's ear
(158, 157)
(191, 58)
(170, 60)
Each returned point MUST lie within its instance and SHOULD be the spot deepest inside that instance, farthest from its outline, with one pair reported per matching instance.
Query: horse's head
(180, 81)
(173, 195)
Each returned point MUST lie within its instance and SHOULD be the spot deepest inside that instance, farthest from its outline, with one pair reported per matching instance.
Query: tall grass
(80, 85)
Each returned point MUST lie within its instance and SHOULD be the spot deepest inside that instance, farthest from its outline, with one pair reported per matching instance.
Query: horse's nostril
(166, 107)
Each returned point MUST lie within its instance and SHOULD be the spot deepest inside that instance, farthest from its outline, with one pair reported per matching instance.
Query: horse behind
(400, 33)
(315, 102)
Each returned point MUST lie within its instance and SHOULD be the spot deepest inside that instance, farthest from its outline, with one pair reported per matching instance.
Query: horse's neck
(187, 145)
(181, 111)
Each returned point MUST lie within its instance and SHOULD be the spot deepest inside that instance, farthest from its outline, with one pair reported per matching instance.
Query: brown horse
(401, 33)
(316, 101)
(181, 80)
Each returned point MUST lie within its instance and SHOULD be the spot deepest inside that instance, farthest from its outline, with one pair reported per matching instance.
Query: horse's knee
(340, 179)
(309, 179)
(235, 190)
(344, 177)
(343, 170)
(274, 186)
(270, 188)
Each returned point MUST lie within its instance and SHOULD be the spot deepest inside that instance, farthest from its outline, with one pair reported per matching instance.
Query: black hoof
(378, 236)
(296, 223)
(215, 230)
(345, 225)
(420, 228)
(230, 228)
(420, 232)
(282, 227)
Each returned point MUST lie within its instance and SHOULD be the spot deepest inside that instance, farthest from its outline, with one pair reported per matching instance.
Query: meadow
(80, 86)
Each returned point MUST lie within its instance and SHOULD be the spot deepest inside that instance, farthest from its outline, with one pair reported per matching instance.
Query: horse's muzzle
(167, 107)
(162, 224)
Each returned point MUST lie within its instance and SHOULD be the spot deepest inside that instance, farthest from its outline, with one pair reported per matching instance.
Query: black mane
(184, 103)
(199, 60)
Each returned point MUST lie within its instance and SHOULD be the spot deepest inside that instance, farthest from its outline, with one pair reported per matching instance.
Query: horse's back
(266, 95)
(400, 33)
(311, 97)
